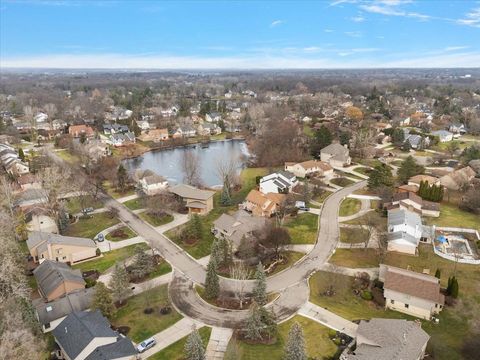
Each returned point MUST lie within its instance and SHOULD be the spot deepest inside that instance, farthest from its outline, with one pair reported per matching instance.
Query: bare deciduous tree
(191, 168)
(240, 272)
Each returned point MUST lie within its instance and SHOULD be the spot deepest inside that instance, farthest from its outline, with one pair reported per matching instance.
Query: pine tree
(196, 226)
(449, 285)
(381, 175)
(102, 300)
(454, 288)
(226, 253)
(212, 285)
(295, 347)
(21, 154)
(408, 169)
(120, 284)
(143, 263)
(225, 198)
(438, 274)
(254, 323)
(194, 349)
(122, 177)
(215, 253)
(260, 288)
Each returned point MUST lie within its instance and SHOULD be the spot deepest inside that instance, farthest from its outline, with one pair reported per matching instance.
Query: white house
(151, 183)
(280, 183)
(404, 229)
(41, 117)
(443, 135)
(213, 117)
(336, 155)
(121, 139)
(143, 125)
(309, 168)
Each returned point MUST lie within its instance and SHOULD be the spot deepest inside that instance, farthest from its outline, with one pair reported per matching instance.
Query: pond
(167, 163)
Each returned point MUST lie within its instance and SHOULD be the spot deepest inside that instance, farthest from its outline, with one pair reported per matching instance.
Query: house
(416, 141)
(59, 125)
(46, 246)
(260, 204)
(411, 201)
(279, 183)
(110, 129)
(443, 135)
(97, 150)
(56, 279)
(155, 135)
(77, 130)
(150, 182)
(197, 201)
(336, 155)
(31, 197)
(121, 139)
(410, 292)
(457, 128)
(237, 226)
(87, 335)
(50, 314)
(213, 117)
(40, 117)
(144, 125)
(184, 131)
(15, 166)
(404, 229)
(29, 181)
(391, 339)
(41, 222)
(309, 168)
(207, 129)
(458, 178)
(417, 179)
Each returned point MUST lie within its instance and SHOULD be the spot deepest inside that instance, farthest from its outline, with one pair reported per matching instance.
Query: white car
(146, 344)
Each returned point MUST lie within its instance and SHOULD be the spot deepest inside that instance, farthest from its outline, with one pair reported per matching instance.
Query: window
(64, 258)
(406, 306)
(392, 301)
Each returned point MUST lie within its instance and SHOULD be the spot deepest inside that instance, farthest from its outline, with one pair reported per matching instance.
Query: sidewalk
(217, 345)
(126, 198)
(329, 319)
(171, 335)
(363, 210)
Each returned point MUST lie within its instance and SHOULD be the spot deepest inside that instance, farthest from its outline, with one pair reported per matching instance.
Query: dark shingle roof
(51, 274)
(122, 348)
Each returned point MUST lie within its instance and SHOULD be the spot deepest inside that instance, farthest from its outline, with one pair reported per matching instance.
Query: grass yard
(143, 326)
(113, 192)
(126, 232)
(347, 174)
(350, 206)
(161, 269)
(341, 181)
(65, 155)
(460, 320)
(355, 258)
(307, 130)
(154, 220)
(363, 170)
(75, 204)
(248, 178)
(293, 257)
(175, 351)
(303, 228)
(451, 215)
(321, 198)
(354, 235)
(134, 204)
(109, 258)
(317, 341)
(89, 227)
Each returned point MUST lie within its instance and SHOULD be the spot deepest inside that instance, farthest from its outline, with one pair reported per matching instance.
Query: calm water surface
(168, 162)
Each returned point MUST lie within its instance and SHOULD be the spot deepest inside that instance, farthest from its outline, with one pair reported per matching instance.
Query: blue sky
(231, 34)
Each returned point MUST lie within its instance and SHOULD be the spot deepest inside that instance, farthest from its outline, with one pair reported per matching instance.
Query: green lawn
(175, 351)
(303, 228)
(363, 170)
(156, 221)
(355, 258)
(128, 234)
(113, 192)
(65, 155)
(109, 258)
(318, 343)
(350, 206)
(307, 130)
(451, 215)
(134, 204)
(75, 204)
(161, 269)
(321, 198)
(143, 326)
(354, 235)
(459, 320)
(293, 257)
(89, 227)
(341, 181)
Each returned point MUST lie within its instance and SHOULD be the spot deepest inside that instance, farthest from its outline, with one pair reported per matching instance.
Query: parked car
(100, 237)
(87, 210)
(146, 344)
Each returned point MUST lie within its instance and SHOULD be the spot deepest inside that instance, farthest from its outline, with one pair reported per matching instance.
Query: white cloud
(392, 8)
(471, 19)
(455, 48)
(276, 23)
(328, 30)
(311, 49)
(358, 18)
(355, 34)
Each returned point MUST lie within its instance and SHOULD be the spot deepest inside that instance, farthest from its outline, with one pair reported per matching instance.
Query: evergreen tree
(408, 169)
(122, 177)
(260, 288)
(344, 138)
(215, 253)
(226, 253)
(306, 192)
(120, 284)
(454, 288)
(398, 136)
(142, 264)
(83, 138)
(225, 198)
(381, 175)
(254, 324)
(295, 347)
(102, 300)
(21, 154)
(438, 274)
(212, 285)
(194, 349)
(323, 137)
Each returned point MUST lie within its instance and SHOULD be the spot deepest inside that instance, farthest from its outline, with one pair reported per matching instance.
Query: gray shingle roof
(190, 192)
(335, 149)
(122, 348)
(79, 328)
(51, 274)
(76, 301)
(389, 339)
(403, 216)
(36, 238)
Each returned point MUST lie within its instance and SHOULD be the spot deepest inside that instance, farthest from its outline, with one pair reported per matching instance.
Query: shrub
(366, 295)
(98, 252)
(378, 298)
(90, 282)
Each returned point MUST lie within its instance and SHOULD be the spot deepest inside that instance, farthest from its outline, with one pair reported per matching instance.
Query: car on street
(146, 344)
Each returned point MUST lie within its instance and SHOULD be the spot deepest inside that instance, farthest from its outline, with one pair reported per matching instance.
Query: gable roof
(408, 282)
(389, 339)
(419, 178)
(120, 349)
(335, 149)
(51, 274)
(190, 192)
(407, 196)
(36, 238)
(79, 328)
